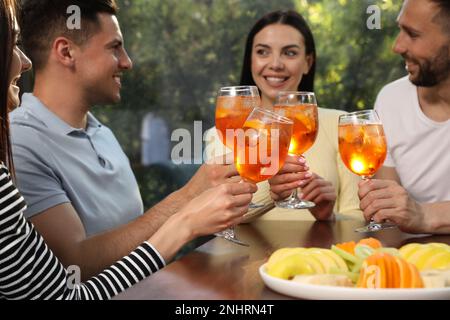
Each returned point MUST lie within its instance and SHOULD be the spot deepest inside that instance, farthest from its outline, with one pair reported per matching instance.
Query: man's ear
(63, 51)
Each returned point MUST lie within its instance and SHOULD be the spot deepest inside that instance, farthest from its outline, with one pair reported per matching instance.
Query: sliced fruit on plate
(423, 255)
(363, 251)
(292, 265)
(328, 259)
(382, 270)
(371, 242)
(344, 254)
(337, 259)
(436, 278)
(338, 280)
(416, 279)
(408, 249)
(439, 245)
(348, 247)
(427, 256)
(324, 260)
(281, 253)
(392, 251)
(439, 261)
(353, 276)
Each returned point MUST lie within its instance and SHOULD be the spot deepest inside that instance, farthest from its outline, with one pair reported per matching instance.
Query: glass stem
(294, 194)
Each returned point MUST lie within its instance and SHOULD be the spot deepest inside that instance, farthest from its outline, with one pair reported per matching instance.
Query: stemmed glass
(261, 146)
(233, 106)
(362, 146)
(301, 107)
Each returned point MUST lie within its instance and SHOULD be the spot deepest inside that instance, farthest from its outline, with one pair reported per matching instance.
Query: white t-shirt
(418, 147)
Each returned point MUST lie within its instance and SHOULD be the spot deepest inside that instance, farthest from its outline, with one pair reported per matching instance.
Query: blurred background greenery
(184, 50)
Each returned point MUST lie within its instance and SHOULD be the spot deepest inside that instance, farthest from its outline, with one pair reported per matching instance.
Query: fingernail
(301, 160)
(301, 183)
(301, 195)
(308, 175)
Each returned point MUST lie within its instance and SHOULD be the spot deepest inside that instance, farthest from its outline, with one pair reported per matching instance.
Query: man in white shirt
(412, 189)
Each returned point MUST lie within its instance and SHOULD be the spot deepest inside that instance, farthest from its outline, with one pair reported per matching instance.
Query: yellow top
(324, 159)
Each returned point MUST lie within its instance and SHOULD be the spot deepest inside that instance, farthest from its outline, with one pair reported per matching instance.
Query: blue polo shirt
(58, 164)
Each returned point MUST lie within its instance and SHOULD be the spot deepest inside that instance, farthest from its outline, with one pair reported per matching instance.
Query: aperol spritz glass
(362, 146)
(300, 107)
(233, 106)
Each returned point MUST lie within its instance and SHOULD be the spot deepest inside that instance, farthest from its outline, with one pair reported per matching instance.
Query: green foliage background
(184, 50)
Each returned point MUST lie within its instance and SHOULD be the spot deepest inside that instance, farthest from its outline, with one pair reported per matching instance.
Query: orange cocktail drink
(261, 149)
(231, 113)
(301, 108)
(362, 147)
(305, 117)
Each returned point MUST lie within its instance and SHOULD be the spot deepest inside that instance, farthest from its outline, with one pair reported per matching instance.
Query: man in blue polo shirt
(82, 195)
(58, 163)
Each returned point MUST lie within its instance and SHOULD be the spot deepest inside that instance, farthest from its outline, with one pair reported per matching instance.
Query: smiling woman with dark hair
(280, 55)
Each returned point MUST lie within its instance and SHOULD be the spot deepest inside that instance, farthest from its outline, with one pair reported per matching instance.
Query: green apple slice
(363, 251)
(344, 254)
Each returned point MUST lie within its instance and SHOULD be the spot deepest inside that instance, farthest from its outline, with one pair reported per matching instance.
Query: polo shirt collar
(93, 125)
(52, 121)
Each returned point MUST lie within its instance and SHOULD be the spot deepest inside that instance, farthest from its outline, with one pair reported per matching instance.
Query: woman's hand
(212, 211)
(322, 193)
(291, 176)
(218, 208)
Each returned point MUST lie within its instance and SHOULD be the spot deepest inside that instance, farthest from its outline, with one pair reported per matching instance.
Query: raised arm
(35, 273)
(206, 177)
(64, 233)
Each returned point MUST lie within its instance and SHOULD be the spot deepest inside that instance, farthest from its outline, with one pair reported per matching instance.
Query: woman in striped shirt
(29, 270)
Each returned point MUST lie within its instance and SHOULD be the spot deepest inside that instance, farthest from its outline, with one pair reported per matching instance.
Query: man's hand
(294, 174)
(388, 200)
(216, 172)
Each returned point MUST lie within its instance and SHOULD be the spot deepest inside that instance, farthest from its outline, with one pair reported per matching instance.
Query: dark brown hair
(7, 14)
(45, 20)
(443, 16)
(290, 18)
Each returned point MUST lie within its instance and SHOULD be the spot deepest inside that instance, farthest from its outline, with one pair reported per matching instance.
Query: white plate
(309, 291)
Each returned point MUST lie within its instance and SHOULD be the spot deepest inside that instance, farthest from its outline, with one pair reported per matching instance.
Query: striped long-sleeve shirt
(29, 270)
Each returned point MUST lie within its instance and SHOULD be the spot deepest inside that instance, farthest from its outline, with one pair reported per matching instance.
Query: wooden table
(225, 271)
